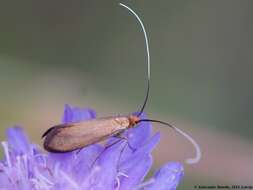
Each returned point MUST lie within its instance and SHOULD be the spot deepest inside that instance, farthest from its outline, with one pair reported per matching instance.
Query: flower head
(26, 167)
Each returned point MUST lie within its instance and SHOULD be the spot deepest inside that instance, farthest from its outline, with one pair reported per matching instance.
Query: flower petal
(167, 178)
(136, 169)
(104, 171)
(60, 159)
(77, 114)
(145, 149)
(84, 161)
(137, 164)
(18, 141)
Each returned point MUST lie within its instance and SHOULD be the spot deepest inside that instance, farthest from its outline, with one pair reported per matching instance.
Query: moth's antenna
(188, 137)
(148, 55)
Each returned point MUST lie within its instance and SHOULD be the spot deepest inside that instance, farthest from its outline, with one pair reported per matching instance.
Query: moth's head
(133, 120)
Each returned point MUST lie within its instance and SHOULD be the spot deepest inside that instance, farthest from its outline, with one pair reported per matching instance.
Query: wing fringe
(48, 131)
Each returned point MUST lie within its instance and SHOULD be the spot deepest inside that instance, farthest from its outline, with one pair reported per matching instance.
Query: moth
(72, 136)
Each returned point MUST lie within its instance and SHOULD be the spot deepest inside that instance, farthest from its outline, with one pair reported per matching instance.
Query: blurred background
(91, 53)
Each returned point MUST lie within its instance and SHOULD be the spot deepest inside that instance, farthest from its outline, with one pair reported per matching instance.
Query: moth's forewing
(72, 136)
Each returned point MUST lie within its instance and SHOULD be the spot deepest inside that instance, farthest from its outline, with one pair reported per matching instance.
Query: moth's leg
(120, 136)
(105, 148)
(119, 173)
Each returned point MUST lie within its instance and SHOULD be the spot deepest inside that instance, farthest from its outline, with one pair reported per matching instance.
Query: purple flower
(26, 167)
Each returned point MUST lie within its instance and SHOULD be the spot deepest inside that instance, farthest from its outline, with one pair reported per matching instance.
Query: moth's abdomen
(69, 137)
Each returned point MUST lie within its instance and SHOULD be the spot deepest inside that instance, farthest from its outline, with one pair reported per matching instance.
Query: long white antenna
(196, 146)
(194, 143)
(147, 50)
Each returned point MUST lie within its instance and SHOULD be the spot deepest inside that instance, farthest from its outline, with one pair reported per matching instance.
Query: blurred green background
(91, 53)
